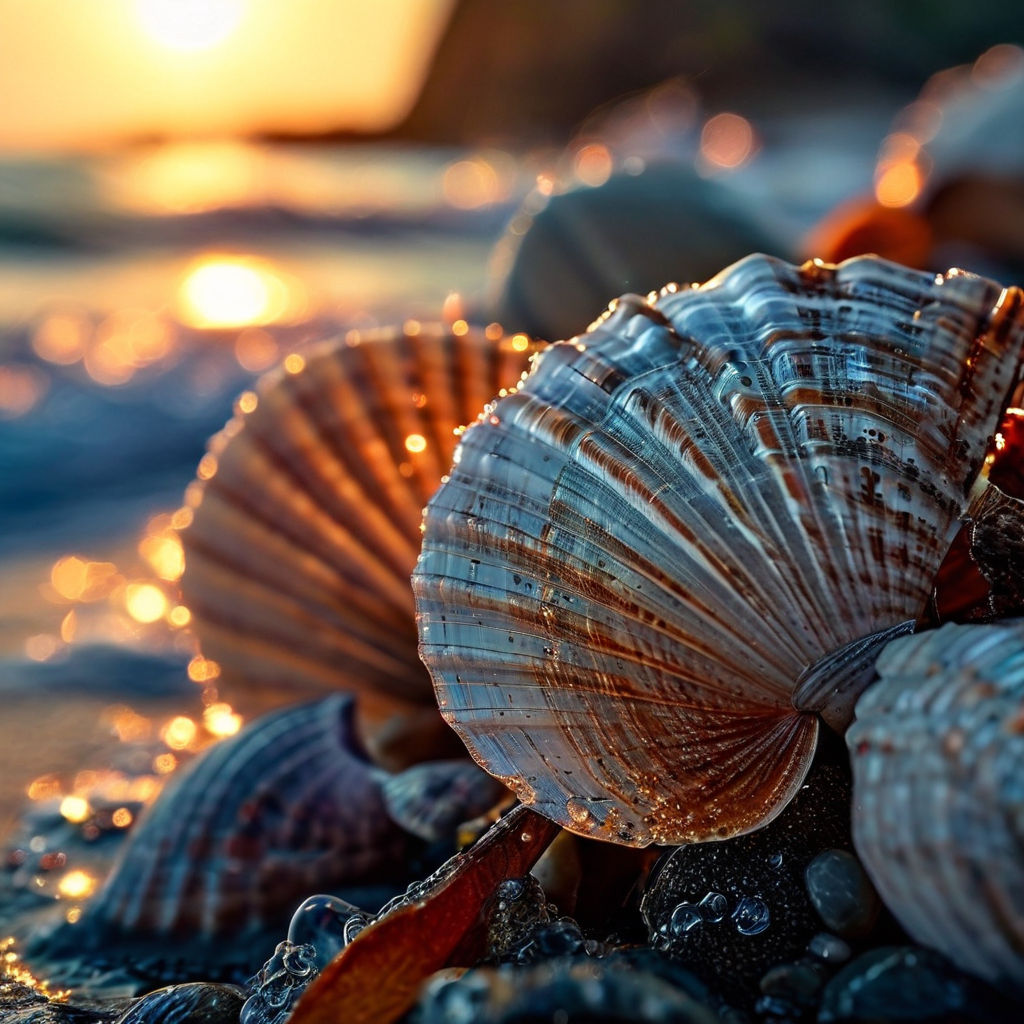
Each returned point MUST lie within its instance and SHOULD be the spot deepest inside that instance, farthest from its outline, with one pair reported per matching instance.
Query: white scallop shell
(656, 560)
(308, 520)
(938, 809)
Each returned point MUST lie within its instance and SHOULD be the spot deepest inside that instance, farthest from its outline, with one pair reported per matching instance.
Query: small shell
(938, 759)
(566, 254)
(431, 800)
(299, 553)
(287, 807)
(195, 1003)
(654, 562)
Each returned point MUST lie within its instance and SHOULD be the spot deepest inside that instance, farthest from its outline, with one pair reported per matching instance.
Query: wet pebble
(842, 893)
(791, 991)
(193, 1003)
(22, 1004)
(907, 983)
(732, 910)
(571, 991)
(829, 948)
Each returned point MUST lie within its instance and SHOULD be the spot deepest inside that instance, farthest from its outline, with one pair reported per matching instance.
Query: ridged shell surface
(938, 809)
(308, 524)
(287, 807)
(651, 564)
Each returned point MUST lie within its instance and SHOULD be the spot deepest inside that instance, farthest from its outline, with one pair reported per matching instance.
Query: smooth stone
(192, 1003)
(908, 983)
(842, 893)
(829, 948)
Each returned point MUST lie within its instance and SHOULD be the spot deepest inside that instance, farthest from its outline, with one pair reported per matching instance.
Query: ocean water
(141, 291)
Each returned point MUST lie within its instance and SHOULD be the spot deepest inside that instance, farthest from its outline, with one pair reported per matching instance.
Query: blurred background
(193, 190)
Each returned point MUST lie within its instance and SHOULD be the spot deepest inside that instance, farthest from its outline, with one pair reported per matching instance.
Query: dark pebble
(842, 893)
(571, 991)
(829, 948)
(906, 983)
(744, 904)
(194, 1003)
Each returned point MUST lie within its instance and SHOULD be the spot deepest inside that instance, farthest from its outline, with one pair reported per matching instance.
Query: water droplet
(775, 861)
(685, 918)
(713, 907)
(751, 915)
(511, 889)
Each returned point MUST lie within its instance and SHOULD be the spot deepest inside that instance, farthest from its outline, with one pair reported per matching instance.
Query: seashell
(431, 800)
(938, 761)
(690, 529)
(244, 832)
(194, 1003)
(565, 254)
(308, 520)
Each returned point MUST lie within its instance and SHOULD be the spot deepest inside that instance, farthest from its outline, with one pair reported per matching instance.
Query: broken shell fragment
(692, 527)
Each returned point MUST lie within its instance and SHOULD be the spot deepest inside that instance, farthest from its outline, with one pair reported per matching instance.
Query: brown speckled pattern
(641, 552)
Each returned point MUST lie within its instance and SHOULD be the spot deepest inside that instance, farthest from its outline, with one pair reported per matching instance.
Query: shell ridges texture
(299, 554)
(680, 513)
(938, 810)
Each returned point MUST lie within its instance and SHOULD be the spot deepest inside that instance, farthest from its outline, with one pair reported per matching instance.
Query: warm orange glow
(62, 338)
(85, 74)
(145, 602)
(129, 725)
(238, 291)
(69, 626)
(187, 25)
(179, 616)
(415, 443)
(520, 342)
(164, 764)
(255, 349)
(76, 885)
(202, 670)
(46, 787)
(75, 809)
(469, 184)
(247, 402)
(179, 732)
(220, 720)
(41, 646)
(593, 164)
(727, 141)
(294, 363)
(164, 553)
(121, 818)
(899, 184)
(21, 387)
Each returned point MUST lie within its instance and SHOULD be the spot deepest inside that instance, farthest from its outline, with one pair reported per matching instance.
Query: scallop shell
(308, 520)
(938, 809)
(246, 831)
(690, 526)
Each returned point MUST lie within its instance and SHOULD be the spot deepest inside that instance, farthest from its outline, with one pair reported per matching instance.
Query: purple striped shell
(242, 834)
(938, 808)
(691, 528)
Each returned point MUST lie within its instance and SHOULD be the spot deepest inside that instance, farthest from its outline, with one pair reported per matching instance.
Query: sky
(82, 74)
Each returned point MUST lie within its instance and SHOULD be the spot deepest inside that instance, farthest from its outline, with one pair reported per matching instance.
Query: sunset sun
(187, 25)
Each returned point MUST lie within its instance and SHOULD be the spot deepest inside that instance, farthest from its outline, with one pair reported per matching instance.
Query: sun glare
(188, 25)
(238, 291)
